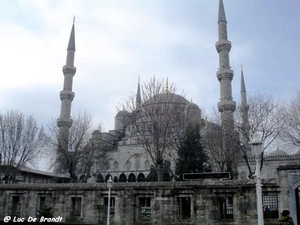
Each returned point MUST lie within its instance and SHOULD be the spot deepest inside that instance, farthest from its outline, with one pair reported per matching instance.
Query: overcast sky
(118, 41)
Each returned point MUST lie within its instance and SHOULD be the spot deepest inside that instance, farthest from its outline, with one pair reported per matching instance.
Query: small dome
(123, 113)
(278, 153)
(192, 106)
(96, 134)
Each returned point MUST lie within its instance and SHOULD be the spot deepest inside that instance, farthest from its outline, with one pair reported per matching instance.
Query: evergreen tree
(167, 175)
(192, 157)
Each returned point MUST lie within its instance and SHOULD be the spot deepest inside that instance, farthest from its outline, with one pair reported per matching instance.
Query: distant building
(29, 175)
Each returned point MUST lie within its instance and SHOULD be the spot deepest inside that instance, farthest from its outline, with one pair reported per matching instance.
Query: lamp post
(109, 185)
(256, 146)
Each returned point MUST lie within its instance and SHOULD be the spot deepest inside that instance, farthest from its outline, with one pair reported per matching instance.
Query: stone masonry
(190, 202)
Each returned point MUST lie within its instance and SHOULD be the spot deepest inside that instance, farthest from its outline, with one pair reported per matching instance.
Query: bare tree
(265, 118)
(158, 120)
(223, 154)
(291, 132)
(262, 116)
(79, 155)
(21, 141)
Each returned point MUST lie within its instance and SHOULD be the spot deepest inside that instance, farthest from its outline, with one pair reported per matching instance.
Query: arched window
(100, 178)
(122, 178)
(115, 179)
(131, 178)
(107, 177)
(141, 177)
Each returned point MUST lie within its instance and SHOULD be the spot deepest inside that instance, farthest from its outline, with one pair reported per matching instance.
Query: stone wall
(193, 202)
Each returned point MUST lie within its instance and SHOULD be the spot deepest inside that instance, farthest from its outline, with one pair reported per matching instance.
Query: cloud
(119, 41)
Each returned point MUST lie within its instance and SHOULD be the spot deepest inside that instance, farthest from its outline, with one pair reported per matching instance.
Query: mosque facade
(123, 155)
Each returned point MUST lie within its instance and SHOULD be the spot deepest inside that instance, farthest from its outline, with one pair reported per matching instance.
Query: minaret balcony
(226, 105)
(69, 69)
(223, 45)
(244, 108)
(64, 122)
(225, 74)
(67, 95)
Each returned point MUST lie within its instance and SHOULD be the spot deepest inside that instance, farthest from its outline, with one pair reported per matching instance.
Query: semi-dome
(192, 106)
(278, 153)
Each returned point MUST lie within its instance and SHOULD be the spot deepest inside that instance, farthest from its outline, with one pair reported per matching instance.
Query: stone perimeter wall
(204, 201)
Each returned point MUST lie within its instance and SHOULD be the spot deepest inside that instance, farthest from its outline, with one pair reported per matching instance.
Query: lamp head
(256, 145)
(109, 182)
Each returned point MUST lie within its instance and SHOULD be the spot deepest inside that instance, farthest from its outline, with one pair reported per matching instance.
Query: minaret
(226, 105)
(138, 100)
(64, 122)
(245, 127)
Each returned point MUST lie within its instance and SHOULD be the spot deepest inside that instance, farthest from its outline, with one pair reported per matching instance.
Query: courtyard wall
(191, 202)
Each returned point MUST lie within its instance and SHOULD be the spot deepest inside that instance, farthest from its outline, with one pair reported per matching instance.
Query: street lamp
(109, 185)
(256, 146)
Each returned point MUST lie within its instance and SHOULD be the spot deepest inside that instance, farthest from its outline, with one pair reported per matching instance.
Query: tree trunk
(159, 172)
(73, 175)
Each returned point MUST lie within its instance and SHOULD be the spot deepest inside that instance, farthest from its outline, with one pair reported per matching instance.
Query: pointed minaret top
(221, 16)
(243, 90)
(243, 87)
(71, 45)
(138, 96)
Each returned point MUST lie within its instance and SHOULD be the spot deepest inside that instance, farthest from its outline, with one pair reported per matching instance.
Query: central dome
(170, 98)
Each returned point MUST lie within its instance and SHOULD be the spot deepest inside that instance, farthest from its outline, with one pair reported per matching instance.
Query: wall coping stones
(201, 184)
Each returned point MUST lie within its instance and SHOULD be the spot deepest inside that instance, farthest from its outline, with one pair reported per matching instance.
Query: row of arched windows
(112, 164)
(122, 178)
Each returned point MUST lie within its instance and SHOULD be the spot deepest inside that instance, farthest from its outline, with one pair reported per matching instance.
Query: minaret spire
(221, 16)
(138, 96)
(226, 105)
(245, 127)
(71, 45)
(243, 89)
(64, 122)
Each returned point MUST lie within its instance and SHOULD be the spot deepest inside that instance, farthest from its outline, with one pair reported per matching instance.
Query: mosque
(123, 154)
